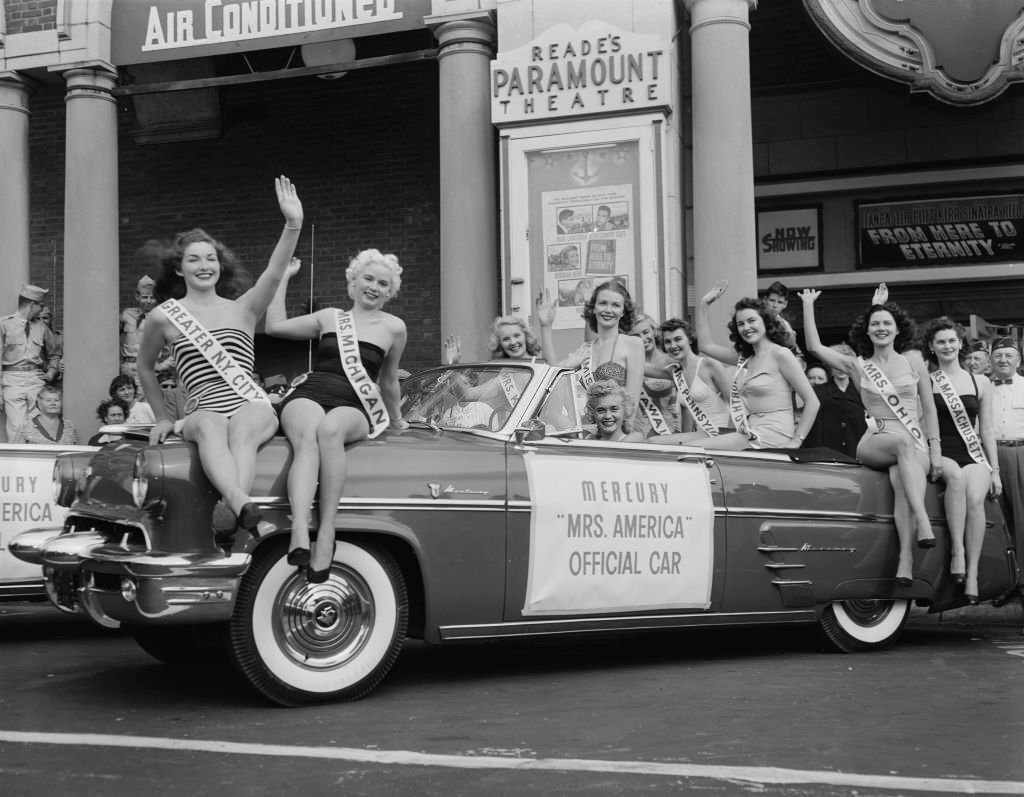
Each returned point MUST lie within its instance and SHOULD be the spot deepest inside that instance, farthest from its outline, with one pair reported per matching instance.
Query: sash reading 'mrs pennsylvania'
(700, 418)
(352, 363)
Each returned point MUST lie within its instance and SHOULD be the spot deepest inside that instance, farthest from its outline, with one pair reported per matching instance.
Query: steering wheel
(498, 418)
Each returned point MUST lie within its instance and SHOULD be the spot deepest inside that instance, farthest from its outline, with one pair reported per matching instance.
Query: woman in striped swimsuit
(227, 426)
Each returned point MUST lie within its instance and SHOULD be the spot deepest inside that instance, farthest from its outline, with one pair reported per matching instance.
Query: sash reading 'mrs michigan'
(352, 363)
(220, 359)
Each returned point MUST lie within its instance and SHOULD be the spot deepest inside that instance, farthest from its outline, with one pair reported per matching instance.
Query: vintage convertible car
(490, 517)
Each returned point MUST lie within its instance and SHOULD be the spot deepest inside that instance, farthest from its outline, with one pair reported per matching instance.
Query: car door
(598, 531)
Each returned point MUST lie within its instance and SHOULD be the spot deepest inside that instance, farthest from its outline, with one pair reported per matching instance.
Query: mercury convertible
(490, 517)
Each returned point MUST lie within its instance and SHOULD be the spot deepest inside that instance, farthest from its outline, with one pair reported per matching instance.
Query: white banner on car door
(608, 535)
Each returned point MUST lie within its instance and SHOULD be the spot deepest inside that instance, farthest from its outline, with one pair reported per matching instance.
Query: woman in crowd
(324, 412)
(609, 406)
(761, 394)
(209, 312)
(613, 353)
(48, 426)
(892, 387)
(840, 423)
(970, 467)
(509, 338)
(123, 387)
(110, 412)
(816, 374)
(661, 414)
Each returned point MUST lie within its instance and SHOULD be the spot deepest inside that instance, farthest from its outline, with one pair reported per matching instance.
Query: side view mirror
(530, 431)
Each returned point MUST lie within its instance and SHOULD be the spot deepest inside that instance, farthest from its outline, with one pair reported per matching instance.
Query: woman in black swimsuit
(323, 413)
(968, 480)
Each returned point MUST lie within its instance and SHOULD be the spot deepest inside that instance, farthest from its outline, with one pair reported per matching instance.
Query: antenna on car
(312, 254)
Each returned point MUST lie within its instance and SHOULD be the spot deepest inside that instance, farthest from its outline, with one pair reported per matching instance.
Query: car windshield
(464, 397)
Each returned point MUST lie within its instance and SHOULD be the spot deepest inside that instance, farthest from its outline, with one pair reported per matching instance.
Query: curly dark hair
(629, 308)
(774, 330)
(906, 329)
(233, 282)
(122, 380)
(937, 325)
(104, 408)
(672, 324)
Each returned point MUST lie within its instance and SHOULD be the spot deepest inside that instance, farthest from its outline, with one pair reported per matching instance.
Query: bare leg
(300, 420)
(978, 480)
(248, 429)
(955, 501)
(341, 426)
(209, 431)
(909, 483)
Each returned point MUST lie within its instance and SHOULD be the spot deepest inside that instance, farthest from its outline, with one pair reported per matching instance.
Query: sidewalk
(986, 614)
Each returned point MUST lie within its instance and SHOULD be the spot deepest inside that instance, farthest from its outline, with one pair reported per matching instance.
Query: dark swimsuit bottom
(327, 384)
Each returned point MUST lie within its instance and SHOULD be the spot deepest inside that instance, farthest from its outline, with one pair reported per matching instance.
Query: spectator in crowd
(978, 359)
(840, 423)
(816, 374)
(174, 395)
(123, 387)
(133, 320)
(777, 300)
(1008, 428)
(47, 426)
(110, 412)
(29, 357)
(46, 316)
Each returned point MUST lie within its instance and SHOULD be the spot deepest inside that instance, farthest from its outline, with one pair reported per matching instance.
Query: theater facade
(507, 148)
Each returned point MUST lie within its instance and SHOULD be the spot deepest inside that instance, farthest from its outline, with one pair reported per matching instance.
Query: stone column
(15, 250)
(91, 264)
(724, 230)
(469, 210)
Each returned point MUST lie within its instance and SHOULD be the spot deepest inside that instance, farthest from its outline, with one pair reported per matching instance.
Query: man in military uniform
(132, 321)
(29, 356)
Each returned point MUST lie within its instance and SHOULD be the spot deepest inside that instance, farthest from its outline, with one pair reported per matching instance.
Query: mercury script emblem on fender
(808, 547)
(436, 491)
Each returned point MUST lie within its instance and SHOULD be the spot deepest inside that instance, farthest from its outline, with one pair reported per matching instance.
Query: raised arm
(705, 343)
(258, 298)
(546, 318)
(720, 378)
(303, 327)
(832, 359)
(154, 338)
(387, 380)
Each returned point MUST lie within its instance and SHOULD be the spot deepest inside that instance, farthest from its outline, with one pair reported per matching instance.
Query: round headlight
(65, 482)
(140, 480)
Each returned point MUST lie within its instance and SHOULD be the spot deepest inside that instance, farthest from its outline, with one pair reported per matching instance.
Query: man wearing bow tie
(28, 356)
(1008, 425)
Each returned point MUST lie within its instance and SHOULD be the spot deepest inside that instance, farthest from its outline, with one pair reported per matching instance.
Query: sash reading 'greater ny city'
(700, 417)
(736, 407)
(220, 359)
(352, 363)
(961, 419)
(889, 395)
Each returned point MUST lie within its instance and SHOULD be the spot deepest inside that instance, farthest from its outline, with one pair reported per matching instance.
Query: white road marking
(756, 775)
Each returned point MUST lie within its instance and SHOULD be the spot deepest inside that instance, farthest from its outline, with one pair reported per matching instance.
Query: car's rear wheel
(857, 625)
(297, 642)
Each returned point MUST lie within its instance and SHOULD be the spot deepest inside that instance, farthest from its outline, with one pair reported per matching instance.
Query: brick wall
(362, 150)
(28, 16)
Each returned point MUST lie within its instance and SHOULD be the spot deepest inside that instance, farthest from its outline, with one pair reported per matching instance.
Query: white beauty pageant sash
(220, 359)
(889, 395)
(586, 375)
(685, 399)
(736, 407)
(961, 420)
(508, 387)
(352, 364)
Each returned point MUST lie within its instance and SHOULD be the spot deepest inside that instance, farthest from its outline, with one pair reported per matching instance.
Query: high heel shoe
(298, 557)
(250, 516)
(958, 578)
(926, 542)
(972, 599)
(317, 576)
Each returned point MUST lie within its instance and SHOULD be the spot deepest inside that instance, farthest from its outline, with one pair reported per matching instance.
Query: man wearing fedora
(1008, 425)
(29, 356)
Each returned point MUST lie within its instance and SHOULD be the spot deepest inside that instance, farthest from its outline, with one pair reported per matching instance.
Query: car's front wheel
(856, 625)
(297, 642)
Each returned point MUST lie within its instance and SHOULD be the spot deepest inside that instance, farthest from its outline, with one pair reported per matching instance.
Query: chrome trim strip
(584, 625)
(782, 566)
(785, 582)
(775, 549)
(806, 514)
